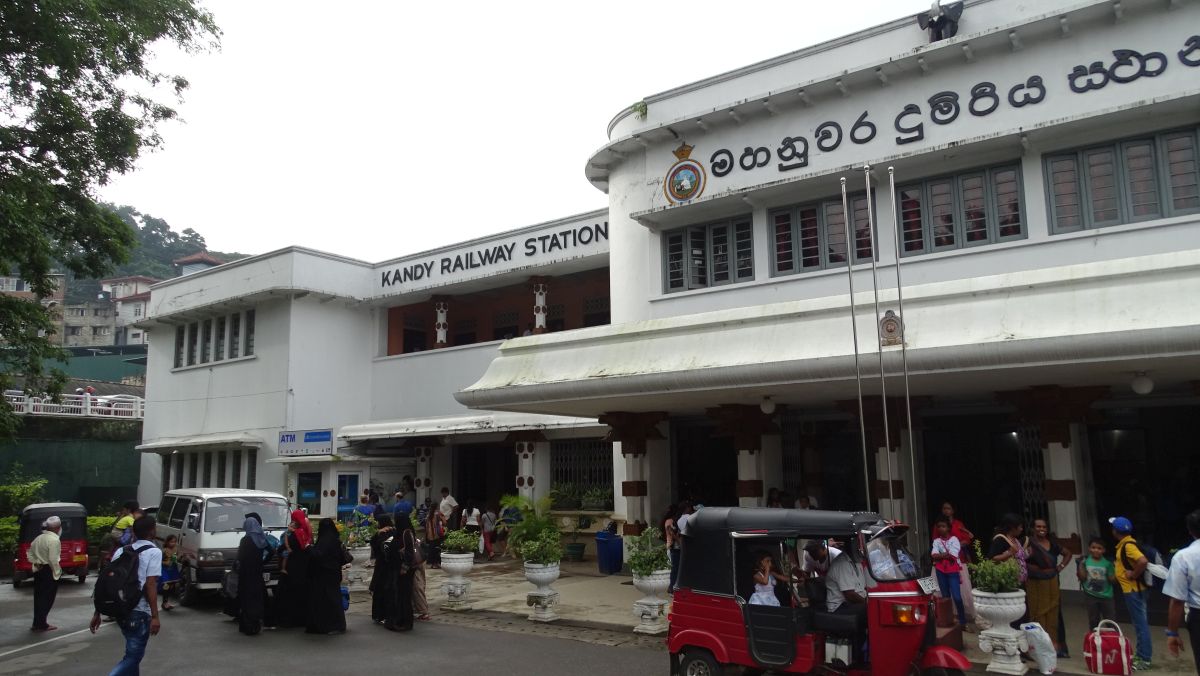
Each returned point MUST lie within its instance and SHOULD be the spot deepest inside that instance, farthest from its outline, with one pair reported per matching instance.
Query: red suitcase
(1106, 651)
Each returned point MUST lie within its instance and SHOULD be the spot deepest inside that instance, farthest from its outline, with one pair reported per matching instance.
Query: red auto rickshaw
(74, 558)
(714, 625)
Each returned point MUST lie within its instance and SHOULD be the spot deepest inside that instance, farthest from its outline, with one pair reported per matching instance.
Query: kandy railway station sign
(559, 241)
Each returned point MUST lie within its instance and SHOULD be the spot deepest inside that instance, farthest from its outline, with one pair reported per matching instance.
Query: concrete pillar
(658, 475)
(771, 461)
(423, 479)
(633, 434)
(749, 479)
(635, 490)
(1062, 503)
(541, 288)
(542, 472)
(441, 466)
(441, 305)
(526, 478)
(747, 424)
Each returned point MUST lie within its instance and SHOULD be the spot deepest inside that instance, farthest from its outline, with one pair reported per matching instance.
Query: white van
(208, 523)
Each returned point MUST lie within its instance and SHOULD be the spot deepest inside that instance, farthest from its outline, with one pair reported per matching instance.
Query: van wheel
(189, 595)
(698, 662)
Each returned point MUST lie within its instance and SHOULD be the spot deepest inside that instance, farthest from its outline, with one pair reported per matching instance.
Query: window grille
(701, 256)
(1031, 464)
(1124, 182)
(584, 463)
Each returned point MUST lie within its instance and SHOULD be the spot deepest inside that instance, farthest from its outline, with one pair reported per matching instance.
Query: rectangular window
(206, 478)
(236, 479)
(179, 512)
(701, 256)
(249, 334)
(235, 335)
(221, 469)
(96, 330)
(206, 341)
(193, 468)
(464, 331)
(504, 325)
(165, 485)
(137, 310)
(1180, 153)
(1124, 182)
(193, 342)
(785, 251)
(219, 340)
(583, 463)
(596, 311)
(163, 515)
(177, 482)
(251, 467)
(180, 341)
(971, 209)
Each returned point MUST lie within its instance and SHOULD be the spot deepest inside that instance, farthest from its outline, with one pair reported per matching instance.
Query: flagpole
(887, 435)
(862, 425)
(912, 444)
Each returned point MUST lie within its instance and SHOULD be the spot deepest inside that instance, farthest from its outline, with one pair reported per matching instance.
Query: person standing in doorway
(1183, 588)
(448, 507)
(44, 554)
(946, 554)
(965, 537)
(488, 521)
(142, 621)
(1047, 559)
(1131, 565)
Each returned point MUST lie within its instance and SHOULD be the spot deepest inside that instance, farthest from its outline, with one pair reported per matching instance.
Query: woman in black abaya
(400, 600)
(291, 596)
(381, 579)
(325, 614)
(252, 591)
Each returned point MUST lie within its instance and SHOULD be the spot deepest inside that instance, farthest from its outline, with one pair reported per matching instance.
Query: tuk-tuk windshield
(73, 527)
(889, 560)
(228, 514)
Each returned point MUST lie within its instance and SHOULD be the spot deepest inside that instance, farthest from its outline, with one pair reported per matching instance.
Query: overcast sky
(378, 129)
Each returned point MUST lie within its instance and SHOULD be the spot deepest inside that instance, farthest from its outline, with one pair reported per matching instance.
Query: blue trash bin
(610, 553)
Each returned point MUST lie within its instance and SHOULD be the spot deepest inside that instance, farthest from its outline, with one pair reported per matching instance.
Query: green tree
(78, 103)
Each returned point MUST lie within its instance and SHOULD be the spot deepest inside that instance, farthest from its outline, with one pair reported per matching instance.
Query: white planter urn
(542, 601)
(356, 576)
(456, 585)
(1004, 643)
(651, 609)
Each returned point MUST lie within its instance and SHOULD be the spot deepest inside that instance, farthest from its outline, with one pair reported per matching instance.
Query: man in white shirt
(44, 553)
(818, 556)
(846, 586)
(447, 507)
(1183, 588)
(142, 622)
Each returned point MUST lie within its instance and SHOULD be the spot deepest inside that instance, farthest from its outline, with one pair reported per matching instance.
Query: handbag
(1105, 650)
(420, 553)
(347, 557)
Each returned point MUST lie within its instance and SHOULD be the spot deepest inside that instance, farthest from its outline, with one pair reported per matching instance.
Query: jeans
(136, 629)
(1136, 603)
(949, 584)
(673, 554)
(45, 588)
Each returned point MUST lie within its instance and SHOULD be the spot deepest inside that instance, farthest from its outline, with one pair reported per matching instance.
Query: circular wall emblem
(686, 178)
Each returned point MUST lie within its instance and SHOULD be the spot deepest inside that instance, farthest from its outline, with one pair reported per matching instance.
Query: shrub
(992, 577)
(460, 542)
(535, 519)
(647, 552)
(544, 549)
(98, 527)
(18, 489)
(9, 532)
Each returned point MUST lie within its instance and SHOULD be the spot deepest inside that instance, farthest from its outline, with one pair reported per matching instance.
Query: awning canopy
(484, 423)
(226, 440)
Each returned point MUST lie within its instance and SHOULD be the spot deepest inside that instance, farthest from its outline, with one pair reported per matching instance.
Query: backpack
(118, 590)
(1152, 556)
(273, 545)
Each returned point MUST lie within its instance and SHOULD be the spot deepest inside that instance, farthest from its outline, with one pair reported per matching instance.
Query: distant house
(130, 296)
(88, 324)
(14, 285)
(196, 262)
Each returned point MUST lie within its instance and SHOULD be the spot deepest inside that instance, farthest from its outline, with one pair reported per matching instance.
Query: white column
(541, 470)
(749, 470)
(441, 470)
(423, 480)
(525, 480)
(770, 462)
(1059, 465)
(620, 502)
(658, 475)
(442, 325)
(540, 290)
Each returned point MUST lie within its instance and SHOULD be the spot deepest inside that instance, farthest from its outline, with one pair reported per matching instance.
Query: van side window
(179, 512)
(163, 515)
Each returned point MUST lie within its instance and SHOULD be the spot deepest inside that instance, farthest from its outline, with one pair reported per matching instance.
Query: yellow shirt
(45, 550)
(1131, 552)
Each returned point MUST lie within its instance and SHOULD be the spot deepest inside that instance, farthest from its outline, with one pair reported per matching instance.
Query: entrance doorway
(705, 466)
(348, 493)
(483, 473)
(974, 463)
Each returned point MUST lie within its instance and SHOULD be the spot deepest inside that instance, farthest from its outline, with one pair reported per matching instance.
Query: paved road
(201, 641)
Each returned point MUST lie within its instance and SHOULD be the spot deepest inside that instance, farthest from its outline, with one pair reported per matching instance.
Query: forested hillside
(157, 245)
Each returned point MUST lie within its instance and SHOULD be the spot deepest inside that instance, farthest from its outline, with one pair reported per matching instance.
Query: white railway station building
(1046, 227)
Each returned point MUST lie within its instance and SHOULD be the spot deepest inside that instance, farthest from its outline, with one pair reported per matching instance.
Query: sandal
(424, 618)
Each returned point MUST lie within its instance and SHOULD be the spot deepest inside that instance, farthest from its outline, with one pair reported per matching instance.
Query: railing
(120, 406)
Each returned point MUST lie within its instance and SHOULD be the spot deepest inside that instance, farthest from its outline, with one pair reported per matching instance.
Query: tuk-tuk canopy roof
(812, 523)
(59, 509)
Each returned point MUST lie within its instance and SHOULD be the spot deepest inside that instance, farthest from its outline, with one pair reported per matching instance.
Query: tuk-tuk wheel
(82, 578)
(699, 662)
(16, 582)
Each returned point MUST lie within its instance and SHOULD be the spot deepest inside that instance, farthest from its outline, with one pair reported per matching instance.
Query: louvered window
(971, 209)
(701, 256)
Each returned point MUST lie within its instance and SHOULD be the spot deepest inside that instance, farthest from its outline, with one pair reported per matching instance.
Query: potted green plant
(596, 499)
(651, 569)
(564, 496)
(458, 558)
(999, 600)
(356, 536)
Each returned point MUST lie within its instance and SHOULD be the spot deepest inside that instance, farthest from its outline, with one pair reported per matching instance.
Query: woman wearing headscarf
(325, 614)
(381, 582)
(252, 591)
(401, 555)
(292, 592)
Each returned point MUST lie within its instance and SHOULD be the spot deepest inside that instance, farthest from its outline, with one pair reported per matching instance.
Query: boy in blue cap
(1131, 566)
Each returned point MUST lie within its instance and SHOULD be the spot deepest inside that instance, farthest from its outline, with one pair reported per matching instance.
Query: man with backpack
(127, 589)
(1183, 588)
(1131, 567)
